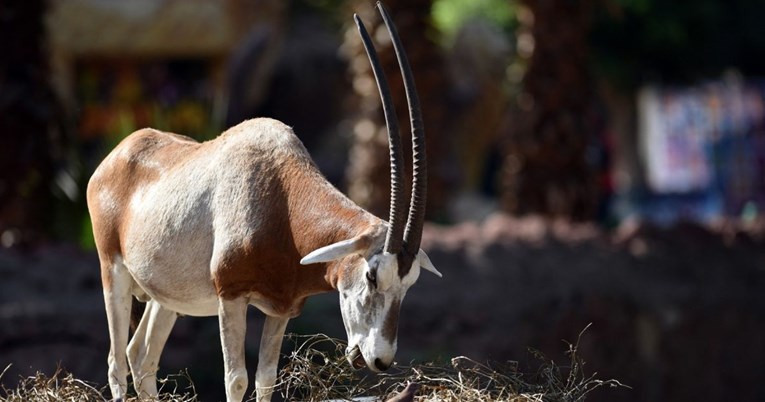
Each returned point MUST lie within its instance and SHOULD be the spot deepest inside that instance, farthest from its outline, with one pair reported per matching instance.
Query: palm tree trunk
(546, 169)
(29, 113)
(368, 174)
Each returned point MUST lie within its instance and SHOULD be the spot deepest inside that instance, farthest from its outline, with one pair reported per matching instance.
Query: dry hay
(63, 386)
(316, 370)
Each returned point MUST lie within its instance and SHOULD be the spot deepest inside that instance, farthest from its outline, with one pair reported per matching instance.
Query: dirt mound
(677, 313)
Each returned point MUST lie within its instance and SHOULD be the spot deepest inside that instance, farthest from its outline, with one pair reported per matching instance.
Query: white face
(371, 293)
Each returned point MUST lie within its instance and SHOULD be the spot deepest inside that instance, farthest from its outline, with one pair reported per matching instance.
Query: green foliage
(333, 12)
(450, 15)
(677, 41)
(86, 240)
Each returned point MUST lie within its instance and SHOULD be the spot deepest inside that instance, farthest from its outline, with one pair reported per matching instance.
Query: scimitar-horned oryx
(206, 229)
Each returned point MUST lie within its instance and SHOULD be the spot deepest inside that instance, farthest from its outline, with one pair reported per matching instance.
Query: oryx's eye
(372, 277)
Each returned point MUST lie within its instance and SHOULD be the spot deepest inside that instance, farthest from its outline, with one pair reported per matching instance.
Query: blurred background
(591, 161)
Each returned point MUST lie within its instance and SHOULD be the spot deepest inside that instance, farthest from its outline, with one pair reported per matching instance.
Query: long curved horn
(413, 231)
(394, 238)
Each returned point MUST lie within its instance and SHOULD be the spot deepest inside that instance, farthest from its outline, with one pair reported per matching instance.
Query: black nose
(380, 365)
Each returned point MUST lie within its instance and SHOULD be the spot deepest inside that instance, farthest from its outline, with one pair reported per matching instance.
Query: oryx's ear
(425, 263)
(337, 250)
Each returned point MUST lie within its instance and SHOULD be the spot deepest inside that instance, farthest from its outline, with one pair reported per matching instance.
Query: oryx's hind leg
(232, 316)
(117, 283)
(146, 347)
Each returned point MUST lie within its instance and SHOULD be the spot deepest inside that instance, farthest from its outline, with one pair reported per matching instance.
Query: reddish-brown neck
(321, 215)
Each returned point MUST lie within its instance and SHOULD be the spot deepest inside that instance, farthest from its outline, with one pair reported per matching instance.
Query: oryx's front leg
(268, 356)
(232, 315)
(146, 347)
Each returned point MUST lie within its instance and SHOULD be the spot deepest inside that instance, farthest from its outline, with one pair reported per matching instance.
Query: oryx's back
(151, 173)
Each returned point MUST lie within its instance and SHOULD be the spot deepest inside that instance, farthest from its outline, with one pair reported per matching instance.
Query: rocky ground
(677, 313)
